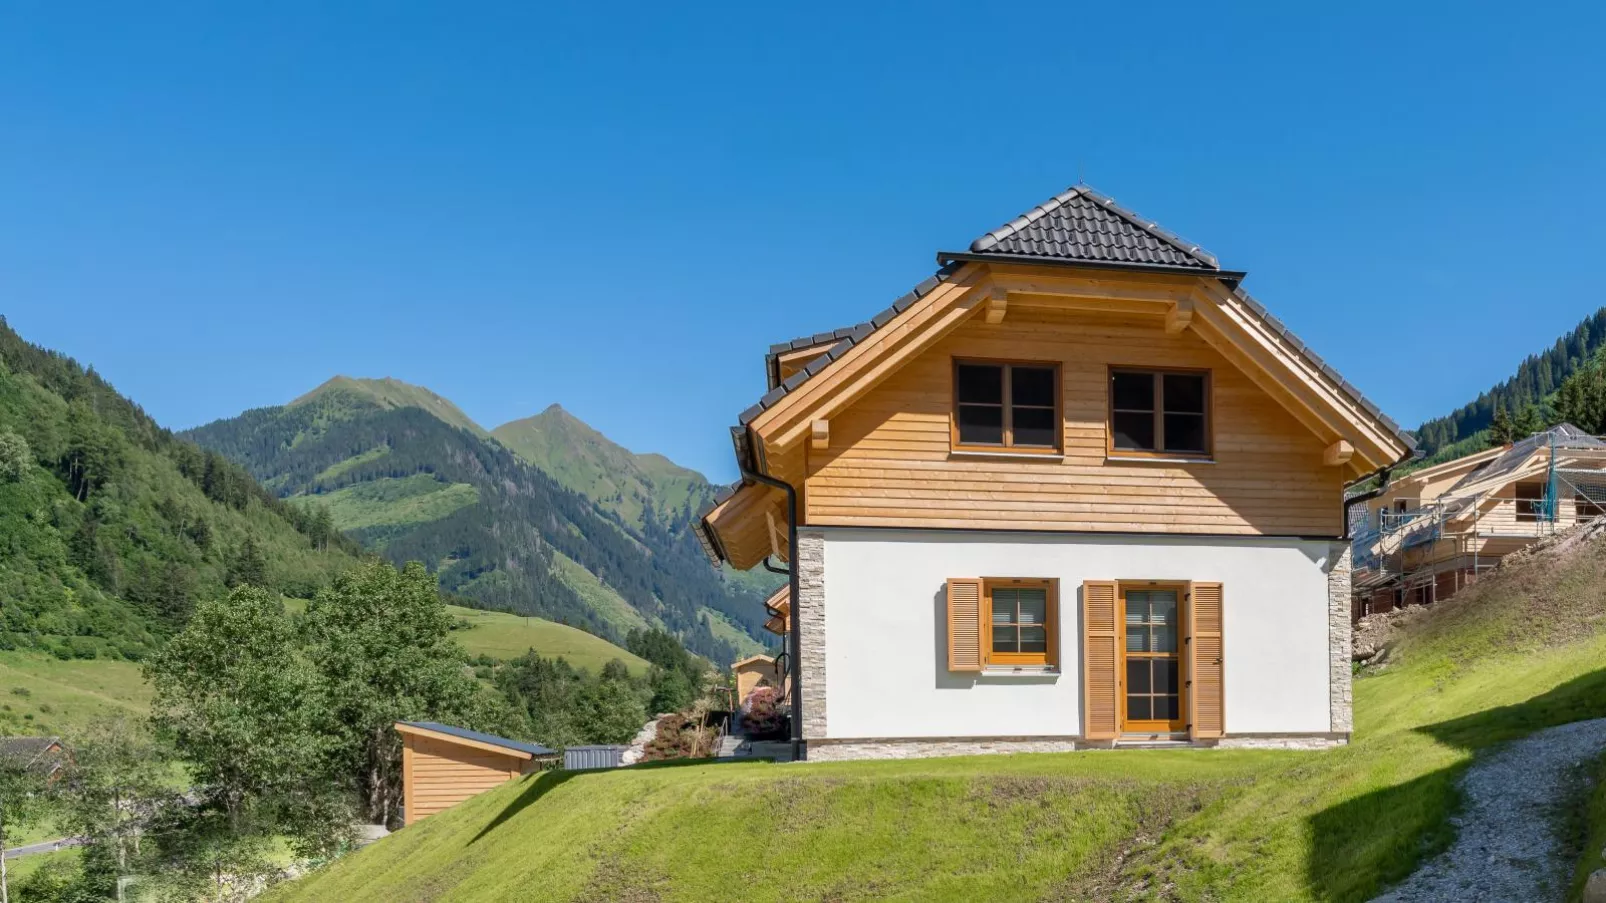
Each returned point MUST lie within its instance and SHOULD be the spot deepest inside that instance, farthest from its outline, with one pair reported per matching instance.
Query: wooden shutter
(1207, 711)
(964, 624)
(1101, 657)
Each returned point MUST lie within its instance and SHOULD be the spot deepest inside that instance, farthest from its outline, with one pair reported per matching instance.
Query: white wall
(886, 633)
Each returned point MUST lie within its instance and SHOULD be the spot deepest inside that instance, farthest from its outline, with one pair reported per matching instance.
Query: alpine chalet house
(1075, 490)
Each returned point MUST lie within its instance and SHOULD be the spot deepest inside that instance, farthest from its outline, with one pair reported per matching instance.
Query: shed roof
(531, 749)
(25, 750)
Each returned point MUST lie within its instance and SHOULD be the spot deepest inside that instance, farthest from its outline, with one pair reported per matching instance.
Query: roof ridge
(1093, 195)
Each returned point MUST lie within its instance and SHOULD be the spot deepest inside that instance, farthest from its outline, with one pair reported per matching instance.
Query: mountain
(1536, 380)
(403, 471)
(111, 527)
(620, 481)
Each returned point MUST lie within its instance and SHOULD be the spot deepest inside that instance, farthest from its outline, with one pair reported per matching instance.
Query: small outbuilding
(753, 672)
(444, 765)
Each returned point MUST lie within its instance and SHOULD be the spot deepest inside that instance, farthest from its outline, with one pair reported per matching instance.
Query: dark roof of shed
(534, 749)
(1079, 225)
(25, 751)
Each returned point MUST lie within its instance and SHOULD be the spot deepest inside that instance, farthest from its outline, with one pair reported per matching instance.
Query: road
(48, 846)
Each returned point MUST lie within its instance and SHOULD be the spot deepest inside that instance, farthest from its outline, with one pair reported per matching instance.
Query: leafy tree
(15, 457)
(24, 790)
(380, 642)
(237, 696)
(672, 691)
(115, 784)
(612, 710)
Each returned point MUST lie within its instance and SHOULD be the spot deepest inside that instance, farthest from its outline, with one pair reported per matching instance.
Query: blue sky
(620, 207)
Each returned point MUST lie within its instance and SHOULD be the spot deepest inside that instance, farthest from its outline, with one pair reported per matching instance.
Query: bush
(763, 715)
(15, 457)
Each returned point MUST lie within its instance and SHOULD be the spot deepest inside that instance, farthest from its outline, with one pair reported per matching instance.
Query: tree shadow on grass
(542, 783)
(1364, 844)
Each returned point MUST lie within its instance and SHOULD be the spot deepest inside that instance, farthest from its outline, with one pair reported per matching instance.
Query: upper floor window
(1006, 405)
(1160, 411)
(1530, 501)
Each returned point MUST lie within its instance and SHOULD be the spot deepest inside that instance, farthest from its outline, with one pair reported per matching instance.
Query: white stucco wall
(886, 633)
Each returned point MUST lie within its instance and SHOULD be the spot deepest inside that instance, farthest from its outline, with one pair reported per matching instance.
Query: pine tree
(1502, 431)
(1529, 421)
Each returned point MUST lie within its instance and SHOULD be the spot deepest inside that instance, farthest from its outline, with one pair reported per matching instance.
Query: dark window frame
(1158, 374)
(1008, 444)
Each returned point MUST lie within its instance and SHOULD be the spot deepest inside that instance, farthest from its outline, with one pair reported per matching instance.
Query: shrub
(762, 713)
(15, 457)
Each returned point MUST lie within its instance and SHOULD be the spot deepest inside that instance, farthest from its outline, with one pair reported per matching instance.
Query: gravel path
(1506, 845)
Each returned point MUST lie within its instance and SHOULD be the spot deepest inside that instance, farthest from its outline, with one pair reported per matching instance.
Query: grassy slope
(609, 604)
(502, 635)
(394, 502)
(730, 633)
(1521, 651)
(64, 697)
(593, 465)
(393, 393)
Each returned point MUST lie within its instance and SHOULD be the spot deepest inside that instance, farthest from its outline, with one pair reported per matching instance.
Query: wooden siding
(890, 460)
(440, 774)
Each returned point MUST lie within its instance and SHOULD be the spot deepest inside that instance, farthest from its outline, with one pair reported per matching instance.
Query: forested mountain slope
(630, 485)
(1537, 377)
(112, 528)
(495, 528)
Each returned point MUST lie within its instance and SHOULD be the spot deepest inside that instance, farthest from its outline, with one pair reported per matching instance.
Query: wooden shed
(444, 765)
(754, 672)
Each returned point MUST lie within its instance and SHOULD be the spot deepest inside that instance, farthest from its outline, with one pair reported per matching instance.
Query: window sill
(1005, 453)
(1153, 459)
(1021, 672)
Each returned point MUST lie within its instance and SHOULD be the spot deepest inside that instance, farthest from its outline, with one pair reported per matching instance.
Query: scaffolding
(1548, 482)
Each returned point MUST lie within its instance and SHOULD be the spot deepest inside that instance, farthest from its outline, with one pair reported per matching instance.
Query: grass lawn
(1521, 651)
(41, 694)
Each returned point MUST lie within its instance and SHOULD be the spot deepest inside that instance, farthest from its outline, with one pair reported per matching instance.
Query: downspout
(793, 635)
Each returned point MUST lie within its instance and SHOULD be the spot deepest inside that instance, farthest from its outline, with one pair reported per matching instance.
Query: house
(753, 672)
(1431, 532)
(1076, 489)
(43, 756)
(444, 765)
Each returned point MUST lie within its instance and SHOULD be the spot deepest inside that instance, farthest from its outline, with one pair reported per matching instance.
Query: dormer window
(1006, 405)
(1160, 412)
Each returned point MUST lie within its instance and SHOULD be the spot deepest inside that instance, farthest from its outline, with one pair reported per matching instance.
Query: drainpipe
(794, 635)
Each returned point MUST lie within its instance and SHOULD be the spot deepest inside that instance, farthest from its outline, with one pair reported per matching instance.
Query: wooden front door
(1151, 661)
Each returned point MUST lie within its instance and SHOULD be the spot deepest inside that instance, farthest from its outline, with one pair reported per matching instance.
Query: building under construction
(1433, 531)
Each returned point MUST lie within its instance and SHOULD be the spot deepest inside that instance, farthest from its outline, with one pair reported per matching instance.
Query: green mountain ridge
(568, 526)
(621, 481)
(112, 528)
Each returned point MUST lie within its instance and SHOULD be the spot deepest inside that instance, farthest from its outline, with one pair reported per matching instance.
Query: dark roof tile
(1082, 226)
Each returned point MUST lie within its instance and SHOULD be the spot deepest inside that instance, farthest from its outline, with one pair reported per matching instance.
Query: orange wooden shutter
(964, 624)
(1207, 711)
(1101, 656)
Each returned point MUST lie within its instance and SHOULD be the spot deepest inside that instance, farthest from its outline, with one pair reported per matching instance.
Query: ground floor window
(1020, 617)
(1152, 661)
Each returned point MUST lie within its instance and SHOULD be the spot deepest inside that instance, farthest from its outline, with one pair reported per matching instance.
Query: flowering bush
(763, 714)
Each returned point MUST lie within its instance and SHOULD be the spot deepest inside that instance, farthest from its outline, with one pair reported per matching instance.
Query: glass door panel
(1152, 698)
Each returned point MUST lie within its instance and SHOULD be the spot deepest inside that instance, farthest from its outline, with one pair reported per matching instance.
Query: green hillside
(502, 635)
(389, 394)
(111, 528)
(398, 471)
(41, 694)
(1523, 649)
(591, 464)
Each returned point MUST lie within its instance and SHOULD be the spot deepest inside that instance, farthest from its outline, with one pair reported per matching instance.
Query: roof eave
(1231, 277)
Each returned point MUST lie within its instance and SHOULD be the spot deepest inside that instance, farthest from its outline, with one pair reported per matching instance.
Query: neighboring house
(753, 672)
(1076, 489)
(444, 765)
(43, 755)
(1433, 531)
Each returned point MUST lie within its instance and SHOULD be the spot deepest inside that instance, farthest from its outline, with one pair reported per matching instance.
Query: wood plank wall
(889, 462)
(443, 774)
